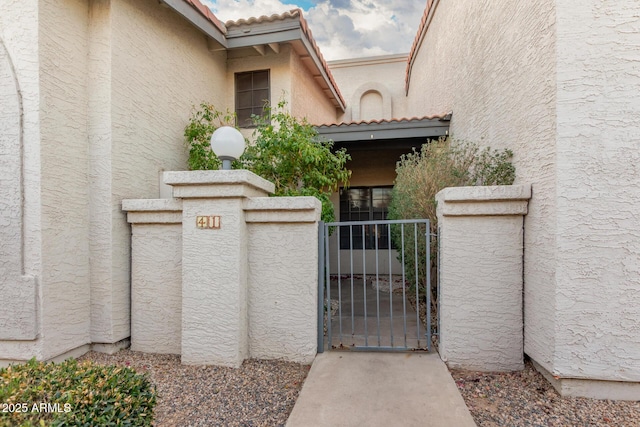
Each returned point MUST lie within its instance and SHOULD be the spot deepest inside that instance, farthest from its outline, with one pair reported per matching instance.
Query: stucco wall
(107, 89)
(598, 153)
(283, 277)
(383, 75)
(307, 98)
(278, 65)
(64, 175)
(480, 276)
(156, 275)
(19, 203)
(159, 68)
(493, 64)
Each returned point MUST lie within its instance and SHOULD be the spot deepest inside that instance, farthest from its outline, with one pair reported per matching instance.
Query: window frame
(370, 230)
(256, 105)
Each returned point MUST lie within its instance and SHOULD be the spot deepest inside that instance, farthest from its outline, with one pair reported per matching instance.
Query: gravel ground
(527, 399)
(260, 393)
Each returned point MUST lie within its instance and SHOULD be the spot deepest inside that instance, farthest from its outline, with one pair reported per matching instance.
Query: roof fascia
(377, 131)
(249, 35)
(418, 42)
(196, 18)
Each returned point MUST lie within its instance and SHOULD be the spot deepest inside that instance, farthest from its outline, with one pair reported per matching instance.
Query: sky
(341, 28)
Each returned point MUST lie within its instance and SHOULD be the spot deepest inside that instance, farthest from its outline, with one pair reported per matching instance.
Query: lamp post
(228, 144)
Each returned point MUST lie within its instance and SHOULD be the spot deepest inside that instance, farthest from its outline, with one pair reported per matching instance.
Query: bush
(287, 151)
(197, 134)
(422, 174)
(73, 394)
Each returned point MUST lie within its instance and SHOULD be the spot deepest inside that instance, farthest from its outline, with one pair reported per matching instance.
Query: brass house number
(210, 222)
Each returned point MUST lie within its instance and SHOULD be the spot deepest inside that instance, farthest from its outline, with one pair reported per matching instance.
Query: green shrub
(73, 394)
(203, 122)
(422, 174)
(287, 151)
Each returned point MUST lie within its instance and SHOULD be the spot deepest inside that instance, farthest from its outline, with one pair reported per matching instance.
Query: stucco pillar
(480, 234)
(156, 274)
(214, 263)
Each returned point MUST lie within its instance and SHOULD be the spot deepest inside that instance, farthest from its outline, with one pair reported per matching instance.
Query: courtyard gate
(374, 285)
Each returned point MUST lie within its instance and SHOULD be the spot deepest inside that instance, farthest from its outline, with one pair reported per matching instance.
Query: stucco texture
(283, 278)
(18, 317)
(598, 157)
(156, 287)
(20, 67)
(107, 87)
(290, 81)
(493, 64)
(153, 68)
(372, 87)
(307, 97)
(480, 274)
(554, 81)
(218, 296)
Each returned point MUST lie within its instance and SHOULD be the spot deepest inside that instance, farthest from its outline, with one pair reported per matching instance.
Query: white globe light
(228, 144)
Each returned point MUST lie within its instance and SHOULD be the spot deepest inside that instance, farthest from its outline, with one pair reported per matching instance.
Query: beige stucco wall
(20, 238)
(107, 89)
(598, 153)
(307, 97)
(381, 78)
(64, 176)
(283, 277)
(156, 274)
(278, 65)
(480, 276)
(554, 81)
(290, 80)
(158, 68)
(493, 64)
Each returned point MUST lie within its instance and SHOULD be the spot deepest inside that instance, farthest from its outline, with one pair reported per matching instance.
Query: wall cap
(153, 211)
(492, 193)
(219, 177)
(283, 209)
(484, 200)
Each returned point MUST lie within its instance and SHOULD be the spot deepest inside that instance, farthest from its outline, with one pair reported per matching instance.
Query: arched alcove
(371, 101)
(371, 105)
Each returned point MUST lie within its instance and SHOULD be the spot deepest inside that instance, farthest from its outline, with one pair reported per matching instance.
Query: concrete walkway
(379, 389)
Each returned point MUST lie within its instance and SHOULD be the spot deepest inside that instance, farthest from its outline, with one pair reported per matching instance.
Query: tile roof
(443, 117)
(206, 12)
(294, 13)
(424, 24)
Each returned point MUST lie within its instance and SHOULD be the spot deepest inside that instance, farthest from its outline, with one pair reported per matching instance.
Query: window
(252, 92)
(365, 204)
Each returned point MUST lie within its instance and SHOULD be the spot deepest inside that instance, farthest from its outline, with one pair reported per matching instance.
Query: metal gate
(375, 285)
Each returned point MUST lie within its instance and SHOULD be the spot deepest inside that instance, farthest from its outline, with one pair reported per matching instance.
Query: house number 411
(212, 222)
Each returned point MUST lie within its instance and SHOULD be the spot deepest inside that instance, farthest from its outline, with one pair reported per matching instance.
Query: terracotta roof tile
(443, 116)
(206, 12)
(294, 13)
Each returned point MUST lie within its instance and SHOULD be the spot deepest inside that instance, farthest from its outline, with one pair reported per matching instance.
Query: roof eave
(197, 17)
(394, 129)
(256, 33)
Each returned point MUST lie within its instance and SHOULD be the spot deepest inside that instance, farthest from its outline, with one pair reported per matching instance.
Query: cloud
(341, 28)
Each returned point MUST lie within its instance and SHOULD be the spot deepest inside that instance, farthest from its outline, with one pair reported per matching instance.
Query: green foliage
(287, 151)
(440, 164)
(202, 124)
(77, 395)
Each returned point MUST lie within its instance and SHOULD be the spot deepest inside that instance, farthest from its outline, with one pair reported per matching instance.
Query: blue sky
(342, 28)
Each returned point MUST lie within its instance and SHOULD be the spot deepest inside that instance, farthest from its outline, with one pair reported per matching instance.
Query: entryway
(373, 286)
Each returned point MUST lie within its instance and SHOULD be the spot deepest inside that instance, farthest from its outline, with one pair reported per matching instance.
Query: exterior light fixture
(228, 144)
